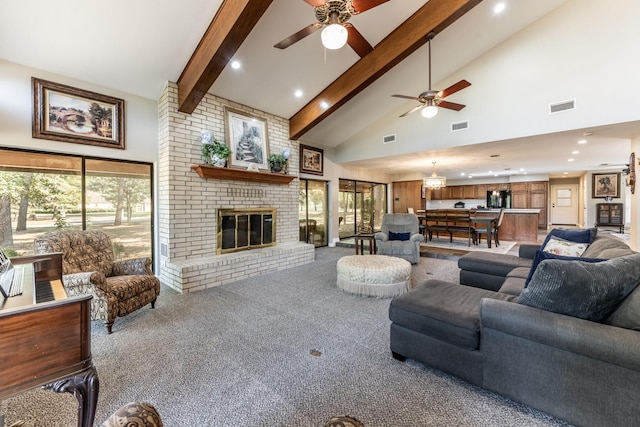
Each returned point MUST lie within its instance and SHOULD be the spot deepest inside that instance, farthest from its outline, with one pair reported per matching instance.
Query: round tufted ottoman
(378, 276)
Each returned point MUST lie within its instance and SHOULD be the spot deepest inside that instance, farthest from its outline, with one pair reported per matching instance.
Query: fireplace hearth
(245, 228)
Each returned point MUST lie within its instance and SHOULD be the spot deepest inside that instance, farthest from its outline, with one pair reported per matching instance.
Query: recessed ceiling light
(490, 171)
(565, 173)
(235, 65)
(462, 173)
(582, 141)
(521, 169)
(498, 8)
(570, 160)
(575, 152)
(298, 93)
(324, 105)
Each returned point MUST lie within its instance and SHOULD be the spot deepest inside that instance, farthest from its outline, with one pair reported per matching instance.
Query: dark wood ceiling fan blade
(360, 6)
(414, 109)
(357, 42)
(407, 97)
(454, 88)
(451, 105)
(315, 3)
(294, 38)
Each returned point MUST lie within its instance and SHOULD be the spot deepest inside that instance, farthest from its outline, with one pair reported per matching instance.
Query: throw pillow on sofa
(564, 247)
(586, 235)
(399, 236)
(585, 290)
(542, 255)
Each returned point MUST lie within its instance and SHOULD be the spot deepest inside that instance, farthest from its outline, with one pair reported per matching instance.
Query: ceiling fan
(430, 100)
(333, 16)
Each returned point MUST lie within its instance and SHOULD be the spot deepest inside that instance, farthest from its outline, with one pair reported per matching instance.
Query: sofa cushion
(586, 235)
(627, 314)
(607, 246)
(542, 255)
(580, 289)
(515, 281)
(490, 263)
(563, 247)
(447, 311)
(399, 236)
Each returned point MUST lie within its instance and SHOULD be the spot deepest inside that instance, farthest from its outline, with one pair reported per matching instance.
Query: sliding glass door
(361, 206)
(313, 212)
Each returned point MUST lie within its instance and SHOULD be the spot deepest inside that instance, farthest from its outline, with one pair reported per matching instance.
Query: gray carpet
(285, 349)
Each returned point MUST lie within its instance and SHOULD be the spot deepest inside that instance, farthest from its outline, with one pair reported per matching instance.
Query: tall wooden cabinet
(531, 195)
(407, 194)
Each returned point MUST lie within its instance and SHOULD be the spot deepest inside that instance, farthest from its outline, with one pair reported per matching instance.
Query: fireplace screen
(241, 229)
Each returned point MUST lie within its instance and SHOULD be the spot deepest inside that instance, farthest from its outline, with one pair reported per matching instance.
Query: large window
(361, 206)
(42, 192)
(313, 212)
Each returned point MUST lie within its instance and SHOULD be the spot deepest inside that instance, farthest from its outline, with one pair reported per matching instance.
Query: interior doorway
(564, 204)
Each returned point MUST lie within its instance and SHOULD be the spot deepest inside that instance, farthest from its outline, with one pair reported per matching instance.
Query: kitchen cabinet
(407, 194)
(469, 192)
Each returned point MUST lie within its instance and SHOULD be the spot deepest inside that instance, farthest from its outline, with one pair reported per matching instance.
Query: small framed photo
(248, 140)
(311, 160)
(65, 113)
(606, 185)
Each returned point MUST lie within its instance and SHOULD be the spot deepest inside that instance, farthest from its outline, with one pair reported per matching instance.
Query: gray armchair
(400, 223)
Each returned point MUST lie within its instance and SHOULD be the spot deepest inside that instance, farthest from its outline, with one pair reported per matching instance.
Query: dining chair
(496, 224)
(497, 227)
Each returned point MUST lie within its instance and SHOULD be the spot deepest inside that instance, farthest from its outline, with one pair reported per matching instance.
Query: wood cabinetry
(531, 195)
(610, 214)
(407, 194)
(469, 192)
(456, 192)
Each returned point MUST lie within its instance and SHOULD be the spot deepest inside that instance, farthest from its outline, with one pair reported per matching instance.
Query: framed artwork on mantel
(311, 160)
(65, 113)
(247, 138)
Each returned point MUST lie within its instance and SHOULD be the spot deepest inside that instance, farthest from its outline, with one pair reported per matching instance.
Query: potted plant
(278, 163)
(213, 151)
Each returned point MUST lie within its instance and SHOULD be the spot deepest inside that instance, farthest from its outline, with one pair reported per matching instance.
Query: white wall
(16, 107)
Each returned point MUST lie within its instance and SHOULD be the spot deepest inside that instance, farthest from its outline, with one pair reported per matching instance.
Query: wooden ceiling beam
(435, 16)
(230, 26)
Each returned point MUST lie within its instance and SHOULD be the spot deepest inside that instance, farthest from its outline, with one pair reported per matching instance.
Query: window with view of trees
(41, 192)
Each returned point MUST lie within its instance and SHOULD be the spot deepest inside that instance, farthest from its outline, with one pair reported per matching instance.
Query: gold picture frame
(606, 185)
(311, 160)
(65, 113)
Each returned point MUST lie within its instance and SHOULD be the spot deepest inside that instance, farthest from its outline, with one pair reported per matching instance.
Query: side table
(360, 238)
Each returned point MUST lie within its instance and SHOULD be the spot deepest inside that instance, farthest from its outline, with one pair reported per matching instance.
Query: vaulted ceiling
(137, 46)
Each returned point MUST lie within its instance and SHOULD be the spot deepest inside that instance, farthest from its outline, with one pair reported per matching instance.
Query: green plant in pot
(213, 151)
(278, 163)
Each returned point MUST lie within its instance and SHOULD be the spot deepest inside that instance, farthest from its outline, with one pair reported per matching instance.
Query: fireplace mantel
(205, 171)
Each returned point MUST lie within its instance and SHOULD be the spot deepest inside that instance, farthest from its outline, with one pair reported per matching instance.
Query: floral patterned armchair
(88, 268)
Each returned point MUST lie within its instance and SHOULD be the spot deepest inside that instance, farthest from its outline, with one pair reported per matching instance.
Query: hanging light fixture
(434, 181)
(429, 110)
(334, 35)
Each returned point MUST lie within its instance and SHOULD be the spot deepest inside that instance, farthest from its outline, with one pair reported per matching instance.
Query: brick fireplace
(189, 232)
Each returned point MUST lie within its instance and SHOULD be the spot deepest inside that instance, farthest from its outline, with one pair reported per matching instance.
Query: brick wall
(188, 204)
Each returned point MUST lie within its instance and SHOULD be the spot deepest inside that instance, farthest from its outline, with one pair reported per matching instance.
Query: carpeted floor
(284, 349)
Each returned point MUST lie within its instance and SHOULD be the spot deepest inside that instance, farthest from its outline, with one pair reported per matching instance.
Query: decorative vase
(218, 161)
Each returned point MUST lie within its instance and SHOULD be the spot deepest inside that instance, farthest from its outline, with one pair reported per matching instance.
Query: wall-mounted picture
(65, 113)
(606, 185)
(248, 140)
(311, 160)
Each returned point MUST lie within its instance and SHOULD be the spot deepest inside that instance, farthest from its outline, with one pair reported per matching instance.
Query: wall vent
(459, 126)
(558, 107)
(388, 139)
(164, 249)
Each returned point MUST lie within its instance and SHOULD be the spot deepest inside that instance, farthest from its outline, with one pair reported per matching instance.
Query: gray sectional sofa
(490, 333)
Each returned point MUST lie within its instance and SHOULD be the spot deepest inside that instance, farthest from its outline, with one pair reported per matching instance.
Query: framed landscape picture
(65, 113)
(311, 160)
(606, 185)
(248, 140)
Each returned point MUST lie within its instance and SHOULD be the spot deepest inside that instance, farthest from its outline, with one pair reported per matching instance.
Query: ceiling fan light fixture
(429, 111)
(334, 36)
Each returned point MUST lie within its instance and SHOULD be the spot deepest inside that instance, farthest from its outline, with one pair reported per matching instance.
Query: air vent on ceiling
(388, 139)
(558, 107)
(459, 126)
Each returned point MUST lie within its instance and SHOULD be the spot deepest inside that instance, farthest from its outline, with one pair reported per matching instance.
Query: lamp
(335, 35)
(429, 110)
(434, 181)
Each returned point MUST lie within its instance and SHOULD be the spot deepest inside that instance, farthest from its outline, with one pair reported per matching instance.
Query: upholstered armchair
(399, 237)
(88, 268)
